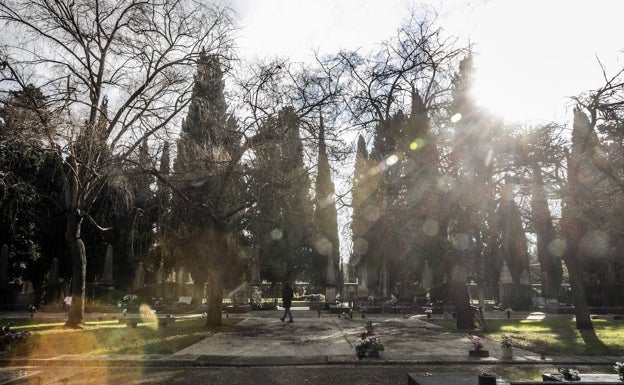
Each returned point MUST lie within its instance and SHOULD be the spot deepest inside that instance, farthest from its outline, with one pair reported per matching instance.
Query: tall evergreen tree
(326, 244)
(28, 184)
(471, 164)
(574, 221)
(281, 219)
(386, 245)
(205, 235)
(421, 217)
(513, 239)
(550, 262)
(364, 183)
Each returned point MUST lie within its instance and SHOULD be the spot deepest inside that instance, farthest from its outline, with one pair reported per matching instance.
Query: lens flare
(323, 246)
(430, 227)
(360, 246)
(276, 234)
(373, 214)
(461, 241)
(392, 160)
(328, 200)
(557, 247)
(416, 144)
(595, 244)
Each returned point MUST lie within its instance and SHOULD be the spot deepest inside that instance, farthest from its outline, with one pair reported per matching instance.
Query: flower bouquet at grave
(619, 369)
(570, 374)
(477, 347)
(369, 345)
(507, 347)
(11, 339)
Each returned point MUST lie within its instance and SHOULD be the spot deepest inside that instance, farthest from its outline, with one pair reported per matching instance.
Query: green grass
(556, 336)
(111, 337)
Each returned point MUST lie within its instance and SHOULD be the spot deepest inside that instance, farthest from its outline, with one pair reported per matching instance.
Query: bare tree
(115, 73)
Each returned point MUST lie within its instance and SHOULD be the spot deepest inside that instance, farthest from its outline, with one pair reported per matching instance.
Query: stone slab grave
(585, 378)
(132, 320)
(12, 376)
(455, 379)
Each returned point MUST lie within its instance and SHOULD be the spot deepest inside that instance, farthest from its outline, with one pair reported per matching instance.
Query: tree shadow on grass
(593, 344)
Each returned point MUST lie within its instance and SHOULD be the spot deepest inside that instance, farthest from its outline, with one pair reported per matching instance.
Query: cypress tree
(282, 216)
(326, 244)
(209, 182)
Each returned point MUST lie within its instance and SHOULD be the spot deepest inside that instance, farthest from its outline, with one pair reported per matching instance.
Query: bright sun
(532, 56)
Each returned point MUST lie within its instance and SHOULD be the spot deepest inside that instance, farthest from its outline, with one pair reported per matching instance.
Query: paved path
(262, 339)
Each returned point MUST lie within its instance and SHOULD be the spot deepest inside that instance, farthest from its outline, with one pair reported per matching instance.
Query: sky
(531, 55)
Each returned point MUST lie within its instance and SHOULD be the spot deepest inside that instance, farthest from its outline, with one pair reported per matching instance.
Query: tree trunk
(214, 300)
(575, 271)
(461, 301)
(572, 217)
(79, 271)
(545, 231)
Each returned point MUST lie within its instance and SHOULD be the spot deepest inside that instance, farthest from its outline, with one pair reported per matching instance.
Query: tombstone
(181, 277)
(516, 296)
(160, 274)
(255, 272)
(181, 282)
(331, 273)
(362, 289)
(505, 275)
(330, 286)
(139, 278)
(52, 282)
(171, 277)
(52, 278)
(107, 275)
(26, 295)
(27, 287)
(384, 281)
(427, 277)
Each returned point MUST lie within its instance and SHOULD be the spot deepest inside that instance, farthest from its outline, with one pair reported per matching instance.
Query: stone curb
(191, 360)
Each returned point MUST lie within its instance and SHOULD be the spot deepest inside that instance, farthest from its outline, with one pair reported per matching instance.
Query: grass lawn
(556, 336)
(104, 337)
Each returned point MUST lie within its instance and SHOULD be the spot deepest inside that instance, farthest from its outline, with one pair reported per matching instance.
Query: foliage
(326, 257)
(279, 223)
(98, 45)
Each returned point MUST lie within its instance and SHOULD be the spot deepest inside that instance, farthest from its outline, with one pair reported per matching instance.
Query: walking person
(287, 296)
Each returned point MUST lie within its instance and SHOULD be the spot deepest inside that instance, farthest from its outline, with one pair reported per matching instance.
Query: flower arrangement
(476, 341)
(506, 342)
(9, 337)
(619, 369)
(369, 345)
(570, 374)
